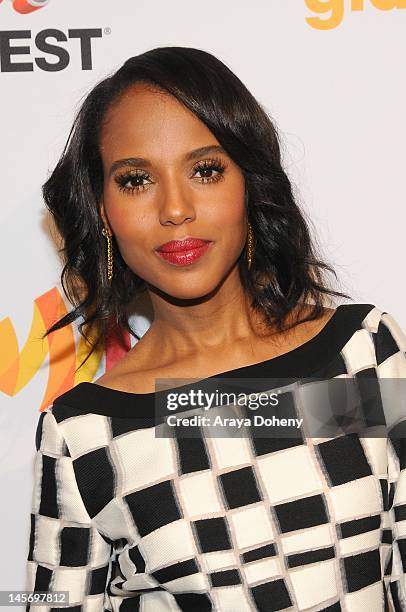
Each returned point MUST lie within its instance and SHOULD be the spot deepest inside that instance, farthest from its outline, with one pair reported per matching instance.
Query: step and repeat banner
(330, 74)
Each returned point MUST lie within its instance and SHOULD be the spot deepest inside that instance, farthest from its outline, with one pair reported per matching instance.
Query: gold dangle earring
(250, 241)
(107, 234)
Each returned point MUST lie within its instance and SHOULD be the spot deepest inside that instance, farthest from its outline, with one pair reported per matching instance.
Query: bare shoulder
(131, 374)
(327, 313)
(312, 327)
(309, 326)
(134, 382)
(137, 371)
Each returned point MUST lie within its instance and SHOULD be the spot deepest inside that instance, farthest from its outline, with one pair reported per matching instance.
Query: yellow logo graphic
(18, 368)
(334, 10)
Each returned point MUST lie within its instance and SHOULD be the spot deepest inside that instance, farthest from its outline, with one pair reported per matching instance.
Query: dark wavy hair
(286, 270)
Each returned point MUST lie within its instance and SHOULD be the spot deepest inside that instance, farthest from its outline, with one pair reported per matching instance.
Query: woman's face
(166, 178)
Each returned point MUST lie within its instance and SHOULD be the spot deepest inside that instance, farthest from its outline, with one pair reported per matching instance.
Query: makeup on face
(183, 252)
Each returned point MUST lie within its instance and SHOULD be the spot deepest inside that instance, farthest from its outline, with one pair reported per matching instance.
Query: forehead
(152, 122)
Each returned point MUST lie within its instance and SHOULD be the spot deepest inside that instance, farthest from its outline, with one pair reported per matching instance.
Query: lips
(183, 252)
(175, 246)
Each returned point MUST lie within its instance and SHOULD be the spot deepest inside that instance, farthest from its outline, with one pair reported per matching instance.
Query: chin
(187, 290)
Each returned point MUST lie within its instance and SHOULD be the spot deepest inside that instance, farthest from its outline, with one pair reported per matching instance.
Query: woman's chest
(241, 513)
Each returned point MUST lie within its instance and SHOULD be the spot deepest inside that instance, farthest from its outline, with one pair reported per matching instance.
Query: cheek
(133, 230)
(228, 211)
(129, 222)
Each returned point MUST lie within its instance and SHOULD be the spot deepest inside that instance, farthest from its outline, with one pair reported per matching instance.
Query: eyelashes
(130, 182)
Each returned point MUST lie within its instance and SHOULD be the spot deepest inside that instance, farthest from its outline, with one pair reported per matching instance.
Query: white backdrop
(331, 74)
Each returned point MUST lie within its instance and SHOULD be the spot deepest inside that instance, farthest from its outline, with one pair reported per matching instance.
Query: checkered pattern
(124, 520)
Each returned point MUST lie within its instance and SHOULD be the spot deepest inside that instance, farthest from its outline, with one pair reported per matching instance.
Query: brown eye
(207, 168)
(131, 182)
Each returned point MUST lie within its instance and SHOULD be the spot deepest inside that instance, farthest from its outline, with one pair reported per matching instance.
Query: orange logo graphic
(334, 10)
(27, 6)
(17, 368)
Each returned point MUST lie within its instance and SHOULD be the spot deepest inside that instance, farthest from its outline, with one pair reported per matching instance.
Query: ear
(104, 217)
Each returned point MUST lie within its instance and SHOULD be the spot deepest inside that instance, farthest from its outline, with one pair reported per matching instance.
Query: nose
(176, 205)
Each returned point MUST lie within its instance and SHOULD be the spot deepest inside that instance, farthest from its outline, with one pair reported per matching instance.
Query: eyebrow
(141, 161)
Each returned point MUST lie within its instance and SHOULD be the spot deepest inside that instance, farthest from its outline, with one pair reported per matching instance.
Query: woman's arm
(390, 348)
(66, 551)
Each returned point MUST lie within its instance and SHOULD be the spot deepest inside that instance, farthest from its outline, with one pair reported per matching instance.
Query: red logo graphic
(27, 6)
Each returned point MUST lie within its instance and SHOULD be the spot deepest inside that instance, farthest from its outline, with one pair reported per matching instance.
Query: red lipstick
(183, 252)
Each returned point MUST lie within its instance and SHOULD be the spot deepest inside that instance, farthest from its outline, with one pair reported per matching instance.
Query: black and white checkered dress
(128, 521)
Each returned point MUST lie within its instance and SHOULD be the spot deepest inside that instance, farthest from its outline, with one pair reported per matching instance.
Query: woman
(174, 164)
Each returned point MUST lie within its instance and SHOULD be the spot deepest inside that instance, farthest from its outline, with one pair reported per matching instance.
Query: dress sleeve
(66, 550)
(390, 347)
